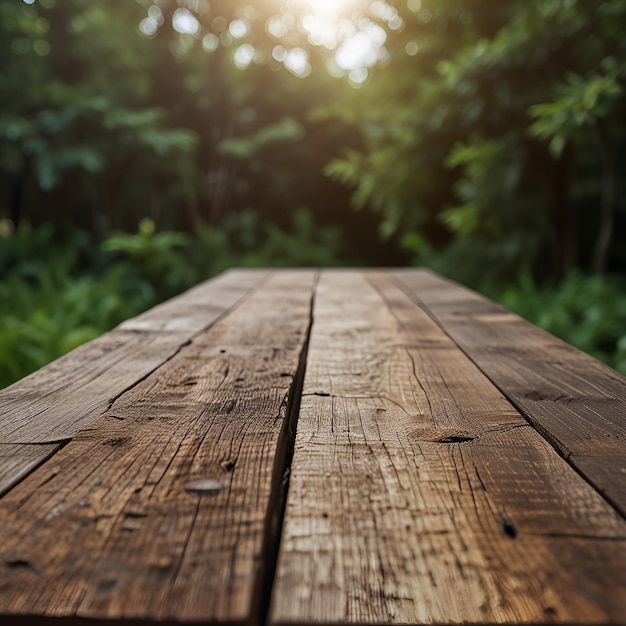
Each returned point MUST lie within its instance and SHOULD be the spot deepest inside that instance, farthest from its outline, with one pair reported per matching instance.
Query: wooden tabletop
(302, 447)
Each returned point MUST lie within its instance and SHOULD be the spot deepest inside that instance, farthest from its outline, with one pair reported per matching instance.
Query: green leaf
(286, 130)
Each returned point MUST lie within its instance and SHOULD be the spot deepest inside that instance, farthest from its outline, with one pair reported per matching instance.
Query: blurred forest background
(146, 145)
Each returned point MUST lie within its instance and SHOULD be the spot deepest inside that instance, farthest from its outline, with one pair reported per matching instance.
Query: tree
(75, 127)
(140, 109)
(477, 95)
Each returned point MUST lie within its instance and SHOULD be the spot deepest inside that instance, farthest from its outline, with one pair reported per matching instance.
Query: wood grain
(18, 459)
(51, 405)
(116, 524)
(418, 494)
(574, 401)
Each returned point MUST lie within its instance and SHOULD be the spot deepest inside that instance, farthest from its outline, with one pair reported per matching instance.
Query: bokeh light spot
(239, 28)
(210, 42)
(148, 26)
(411, 48)
(243, 56)
(185, 23)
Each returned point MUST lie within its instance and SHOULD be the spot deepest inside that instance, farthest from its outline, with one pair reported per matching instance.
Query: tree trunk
(15, 203)
(605, 229)
(564, 226)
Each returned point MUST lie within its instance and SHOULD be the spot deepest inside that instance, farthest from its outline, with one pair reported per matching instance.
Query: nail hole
(106, 586)
(509, 528)
(19, 563)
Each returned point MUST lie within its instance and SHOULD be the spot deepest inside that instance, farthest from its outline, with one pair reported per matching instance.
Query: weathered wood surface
(418, 494)
(163, 507)
(18, 459)
(144, 474)
(46, 409)
(574, 401)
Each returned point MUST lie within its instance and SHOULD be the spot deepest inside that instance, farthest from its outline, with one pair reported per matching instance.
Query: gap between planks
(280, 481)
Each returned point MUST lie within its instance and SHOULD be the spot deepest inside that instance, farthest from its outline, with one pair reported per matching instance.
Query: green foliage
(487, 142)
(286, 129)
(243, 240)
(303, 246)
(75, 117)
(482, 132)
(49, 303)
(144, 131)
(482, 161)
(58, 292)
(582, 102)
(154, 256)
(493, 205)
(588, 312)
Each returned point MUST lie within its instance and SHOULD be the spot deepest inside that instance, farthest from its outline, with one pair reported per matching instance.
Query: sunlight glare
(358, 51)
(322, 19)
(358, 43)
(354, 31)
(328, 8)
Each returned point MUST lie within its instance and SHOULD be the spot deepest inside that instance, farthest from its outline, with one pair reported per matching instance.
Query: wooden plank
(55, 402)
(419, 495)
(162, 507)
(577, 403)
(51, 405)
(18, 460)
